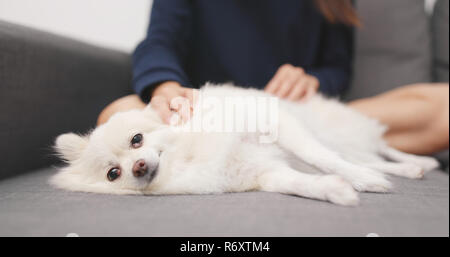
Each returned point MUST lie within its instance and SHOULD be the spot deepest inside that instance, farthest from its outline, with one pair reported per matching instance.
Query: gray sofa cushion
(51, 85)
(30, 207)
(440, 30)
(392, 48)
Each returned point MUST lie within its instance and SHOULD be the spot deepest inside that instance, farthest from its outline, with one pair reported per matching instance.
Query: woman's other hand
(171, 97)
(292, 83)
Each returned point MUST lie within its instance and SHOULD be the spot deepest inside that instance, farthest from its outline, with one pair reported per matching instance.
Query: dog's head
(121, 156)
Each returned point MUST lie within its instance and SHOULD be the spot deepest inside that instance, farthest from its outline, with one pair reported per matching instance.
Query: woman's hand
(171, 97)
(292, 83)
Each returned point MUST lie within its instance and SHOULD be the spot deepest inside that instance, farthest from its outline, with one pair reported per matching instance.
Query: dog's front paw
(339, 191)
(411, 171)
(371, 182)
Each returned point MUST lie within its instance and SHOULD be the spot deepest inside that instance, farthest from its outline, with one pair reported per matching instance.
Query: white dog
(135, 153)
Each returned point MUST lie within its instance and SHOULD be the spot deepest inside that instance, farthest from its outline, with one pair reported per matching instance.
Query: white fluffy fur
(323, 134)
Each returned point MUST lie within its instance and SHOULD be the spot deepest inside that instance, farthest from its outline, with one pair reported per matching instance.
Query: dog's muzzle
(142, 168)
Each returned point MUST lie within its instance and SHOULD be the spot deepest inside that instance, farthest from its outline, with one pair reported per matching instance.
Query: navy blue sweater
(240, 41)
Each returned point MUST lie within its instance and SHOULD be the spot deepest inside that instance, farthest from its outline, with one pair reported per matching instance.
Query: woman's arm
(162, 55)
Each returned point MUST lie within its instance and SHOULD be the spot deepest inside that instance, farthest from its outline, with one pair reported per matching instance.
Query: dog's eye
(113, 174)
(136, 141)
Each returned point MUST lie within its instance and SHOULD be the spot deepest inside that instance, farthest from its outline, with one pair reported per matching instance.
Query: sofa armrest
(51, 85)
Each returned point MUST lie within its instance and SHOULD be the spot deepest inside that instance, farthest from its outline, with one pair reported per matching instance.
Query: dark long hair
(339, 11)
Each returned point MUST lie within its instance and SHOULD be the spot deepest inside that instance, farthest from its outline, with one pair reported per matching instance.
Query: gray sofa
(51, 85)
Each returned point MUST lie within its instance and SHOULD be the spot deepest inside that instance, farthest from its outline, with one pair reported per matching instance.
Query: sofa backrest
(440, 31)
(51, 85)
(392, 48)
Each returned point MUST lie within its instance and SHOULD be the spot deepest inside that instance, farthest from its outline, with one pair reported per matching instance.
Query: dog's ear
(70, 146)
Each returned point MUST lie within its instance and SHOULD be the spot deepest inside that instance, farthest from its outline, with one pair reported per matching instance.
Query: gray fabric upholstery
(440, 30)
(29, 207)
(443, 158)
(50, 85)
(393, 46)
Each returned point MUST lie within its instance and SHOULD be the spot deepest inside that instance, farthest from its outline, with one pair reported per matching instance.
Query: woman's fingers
(290, 81)
(171, 97)
(311, 88)
(304, 89)
(161, 105)
(310, 92)
(180, 101)
(189, 94)
(278, 78)
(298, 91)
(192, 95)
(182, 106)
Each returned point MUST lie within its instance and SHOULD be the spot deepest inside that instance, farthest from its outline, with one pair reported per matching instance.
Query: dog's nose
(140, 168)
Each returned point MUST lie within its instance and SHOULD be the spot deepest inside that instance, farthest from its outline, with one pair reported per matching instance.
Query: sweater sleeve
(335, 62)
(161, 56)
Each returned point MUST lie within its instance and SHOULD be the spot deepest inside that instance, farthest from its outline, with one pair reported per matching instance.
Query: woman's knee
(120, 105)
(442, 126)
(437, 98)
